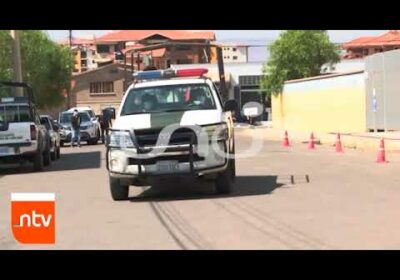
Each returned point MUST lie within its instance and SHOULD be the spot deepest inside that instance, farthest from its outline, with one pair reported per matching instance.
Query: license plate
(5, 150)
(167, 166)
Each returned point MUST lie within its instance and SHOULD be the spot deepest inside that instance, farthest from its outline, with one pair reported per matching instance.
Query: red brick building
(364, 46)
(125, 40)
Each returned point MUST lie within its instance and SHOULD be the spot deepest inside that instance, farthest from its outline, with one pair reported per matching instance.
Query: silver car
(54, 135)
(88, 128)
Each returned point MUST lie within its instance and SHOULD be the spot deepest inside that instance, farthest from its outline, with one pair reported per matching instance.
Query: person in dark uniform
(105, 123)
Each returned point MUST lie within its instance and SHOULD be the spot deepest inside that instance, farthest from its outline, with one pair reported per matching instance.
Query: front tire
(118, 191)
(53, 155)
(224, 180)
(58, 153)
(47, 158)
(38, 163)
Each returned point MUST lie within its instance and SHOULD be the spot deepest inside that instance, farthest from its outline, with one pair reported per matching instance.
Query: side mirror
(231, 105)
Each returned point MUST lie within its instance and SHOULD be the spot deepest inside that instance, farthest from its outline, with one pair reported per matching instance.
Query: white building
(234, 52)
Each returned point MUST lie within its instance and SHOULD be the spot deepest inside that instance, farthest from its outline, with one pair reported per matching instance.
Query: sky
(260, 38)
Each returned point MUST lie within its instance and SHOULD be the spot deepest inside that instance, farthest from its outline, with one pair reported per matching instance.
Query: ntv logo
(31, 220)
(33, 217)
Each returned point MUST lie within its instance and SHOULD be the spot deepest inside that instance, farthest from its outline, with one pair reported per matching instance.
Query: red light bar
(191, 72)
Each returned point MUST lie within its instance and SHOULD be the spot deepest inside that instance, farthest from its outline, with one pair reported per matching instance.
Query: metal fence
(382, 85)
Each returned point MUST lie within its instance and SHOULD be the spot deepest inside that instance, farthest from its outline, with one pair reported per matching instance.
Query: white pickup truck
(22, 136)
(171, 124)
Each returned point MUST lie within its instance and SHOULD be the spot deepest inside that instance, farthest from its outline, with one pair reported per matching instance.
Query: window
(234, 57)
(234, 49)
(108, 86)
(182, 48)
(14, 113)
(65, 118)
(103, 48)
(184, 61)
(95, 87)
(168, 99)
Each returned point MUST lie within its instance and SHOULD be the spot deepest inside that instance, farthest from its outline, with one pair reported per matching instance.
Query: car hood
(159, 120)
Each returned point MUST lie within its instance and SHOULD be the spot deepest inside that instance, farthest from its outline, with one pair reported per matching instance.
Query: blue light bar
(148, 75)
(169, 73)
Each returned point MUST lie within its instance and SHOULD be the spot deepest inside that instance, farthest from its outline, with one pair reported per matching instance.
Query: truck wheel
(54, 154)
(233, 163)
(58, 153)
(224, 180)
(38, 163)
(47, 158)
(118, 191)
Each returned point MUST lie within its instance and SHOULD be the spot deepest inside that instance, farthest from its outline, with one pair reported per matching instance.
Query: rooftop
(389, 38)
(137, 35)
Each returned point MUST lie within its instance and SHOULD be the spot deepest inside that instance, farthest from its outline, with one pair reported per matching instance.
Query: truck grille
(148, 137)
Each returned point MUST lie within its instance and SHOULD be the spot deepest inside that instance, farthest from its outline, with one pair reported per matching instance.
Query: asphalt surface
(283, 198)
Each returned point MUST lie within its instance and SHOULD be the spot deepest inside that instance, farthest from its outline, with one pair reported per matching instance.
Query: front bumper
(124, 163)
(85, 136)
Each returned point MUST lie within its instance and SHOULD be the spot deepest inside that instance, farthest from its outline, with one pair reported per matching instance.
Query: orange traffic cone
(286, 140)
(339, 148)
(311, 145)
(381, 152)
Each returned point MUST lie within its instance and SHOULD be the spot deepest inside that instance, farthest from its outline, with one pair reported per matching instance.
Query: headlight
(217, 132)
(120, 139)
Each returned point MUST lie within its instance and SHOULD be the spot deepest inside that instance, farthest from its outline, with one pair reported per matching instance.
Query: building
(364, 46)
(352, 102)
(328, 103)
(99, 88)
(123, 41)
(85, 55)
(85, 58)
(232, 52)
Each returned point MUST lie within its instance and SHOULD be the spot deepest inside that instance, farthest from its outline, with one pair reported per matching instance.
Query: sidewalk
(362, 141)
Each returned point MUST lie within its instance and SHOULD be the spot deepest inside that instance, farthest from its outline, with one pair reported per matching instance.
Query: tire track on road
(265, 232)
(160, 217)
(268, 220)
(192, 232)
(178, 227)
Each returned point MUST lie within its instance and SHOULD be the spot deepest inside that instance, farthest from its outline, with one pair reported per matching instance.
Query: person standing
(76, 124)
(105, 123)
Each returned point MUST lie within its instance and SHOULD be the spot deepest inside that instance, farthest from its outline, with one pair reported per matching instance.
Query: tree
(297, 54)
(45, 65)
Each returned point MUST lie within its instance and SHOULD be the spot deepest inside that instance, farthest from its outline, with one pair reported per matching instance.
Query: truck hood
(159, 120)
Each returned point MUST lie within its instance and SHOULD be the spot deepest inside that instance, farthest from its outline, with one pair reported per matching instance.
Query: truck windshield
(14, 113)
(168, 98)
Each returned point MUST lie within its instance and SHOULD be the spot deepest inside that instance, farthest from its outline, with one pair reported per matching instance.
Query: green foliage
(45, 65)
(297, 54)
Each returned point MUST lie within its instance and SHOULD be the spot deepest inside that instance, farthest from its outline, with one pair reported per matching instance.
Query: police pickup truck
(22, 136)
(171, 123)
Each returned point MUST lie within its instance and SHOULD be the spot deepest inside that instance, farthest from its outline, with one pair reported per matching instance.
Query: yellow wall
(337, 106)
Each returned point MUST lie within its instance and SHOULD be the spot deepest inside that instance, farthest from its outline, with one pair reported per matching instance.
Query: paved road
(283, 199)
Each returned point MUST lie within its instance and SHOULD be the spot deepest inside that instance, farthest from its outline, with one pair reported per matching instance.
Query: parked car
(22, 136)
(54, 134)
(89, 130)
(91, 113)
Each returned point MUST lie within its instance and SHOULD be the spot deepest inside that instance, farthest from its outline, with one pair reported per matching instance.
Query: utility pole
(70, 88)
(16, 50)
